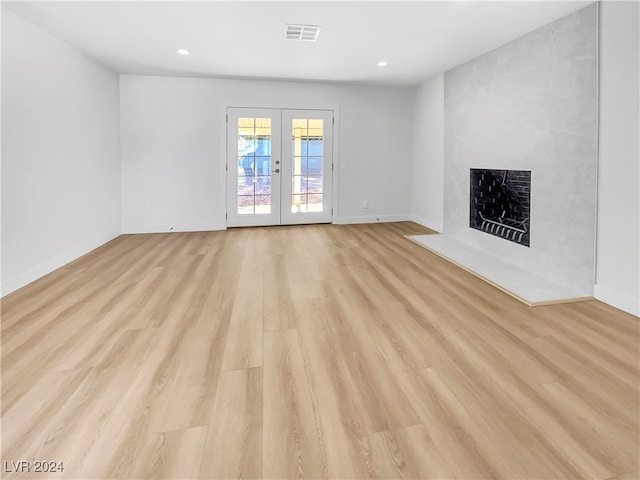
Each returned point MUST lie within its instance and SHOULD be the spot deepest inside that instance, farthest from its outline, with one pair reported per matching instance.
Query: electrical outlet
(365, 204)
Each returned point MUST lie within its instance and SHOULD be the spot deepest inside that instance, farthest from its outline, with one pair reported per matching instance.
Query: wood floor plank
(292, 436)
(278, 308)
(607, 356)
(524, 421)
(233, 447)
(463, 445)
(528, 411)
(133, 418)
(318, 351)
(402, 341)
(372, 382)
(244, 343)
(408, 452)
(343, 423)
(626, 476)
(594, 382)
(27, 427)
(499, 344)
(606, 435)
(173, 454)
(190, 380)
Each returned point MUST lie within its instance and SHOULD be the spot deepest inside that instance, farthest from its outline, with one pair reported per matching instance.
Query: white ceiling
(243, 39)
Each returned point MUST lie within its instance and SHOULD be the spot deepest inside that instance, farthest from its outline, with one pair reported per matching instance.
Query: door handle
(277, 170)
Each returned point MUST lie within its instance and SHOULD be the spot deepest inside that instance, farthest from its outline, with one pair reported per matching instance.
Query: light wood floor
(309, 352)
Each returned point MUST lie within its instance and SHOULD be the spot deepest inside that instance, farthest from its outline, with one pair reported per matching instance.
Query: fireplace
(500, 202)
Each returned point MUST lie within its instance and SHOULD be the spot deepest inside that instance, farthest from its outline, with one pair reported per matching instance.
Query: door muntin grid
(307, 159)
(254, 166)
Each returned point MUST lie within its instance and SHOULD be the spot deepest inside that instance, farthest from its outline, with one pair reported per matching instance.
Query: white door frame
(222, 166)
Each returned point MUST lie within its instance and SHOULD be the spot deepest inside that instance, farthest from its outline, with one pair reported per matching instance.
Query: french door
(279, 166)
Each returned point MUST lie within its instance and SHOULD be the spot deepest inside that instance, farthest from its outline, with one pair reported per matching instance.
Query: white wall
(618, 245)
(172, 140)
(60, 160)
(427, 167)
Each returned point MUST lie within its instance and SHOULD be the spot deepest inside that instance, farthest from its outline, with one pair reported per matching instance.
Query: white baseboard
(425, 222)
(372, 219)
(34, 273)
(173, 229)
(623, 301)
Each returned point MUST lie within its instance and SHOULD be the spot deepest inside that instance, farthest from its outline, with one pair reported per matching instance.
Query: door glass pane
(298, 203)
(263, 204)
(254, 166)
(314, 165)
(314, 202)
(245, 186)
(306, 169)
(246, 204)
(314, 183)
(299, 166)
(263, 185)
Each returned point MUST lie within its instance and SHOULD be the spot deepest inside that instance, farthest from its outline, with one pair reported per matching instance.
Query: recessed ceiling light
(383, 64)
(182, 51)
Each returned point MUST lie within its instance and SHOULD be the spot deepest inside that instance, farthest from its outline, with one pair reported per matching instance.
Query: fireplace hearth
(500, 203)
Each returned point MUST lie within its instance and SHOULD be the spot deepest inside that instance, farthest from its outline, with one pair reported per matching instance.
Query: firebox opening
(500, 203)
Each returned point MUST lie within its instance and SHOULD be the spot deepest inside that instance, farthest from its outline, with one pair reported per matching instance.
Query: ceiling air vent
(303, 33)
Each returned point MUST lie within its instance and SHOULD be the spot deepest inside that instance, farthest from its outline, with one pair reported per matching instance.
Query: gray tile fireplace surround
(530, 105)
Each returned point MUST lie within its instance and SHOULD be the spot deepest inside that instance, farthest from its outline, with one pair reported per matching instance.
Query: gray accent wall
(531, 105)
